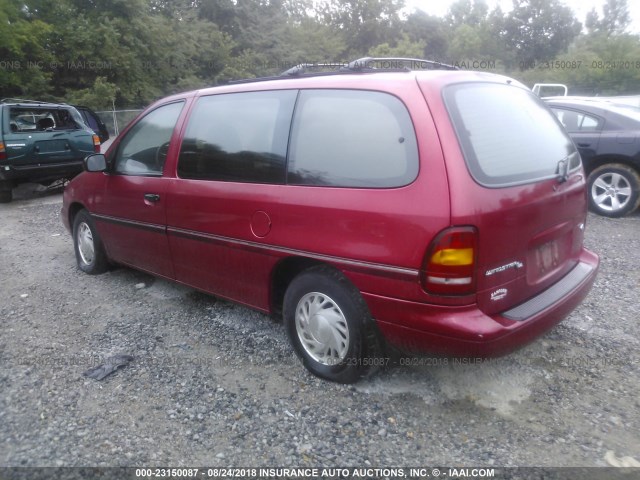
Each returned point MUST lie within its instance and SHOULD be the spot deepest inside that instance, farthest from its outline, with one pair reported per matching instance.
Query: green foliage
(363, 23)
(594, 65)
(538, 30)
(24, 59)
(130, 52)
(431, 30)
(405, 47)
(311, 41)
(467, 12)
(615, 19)
(100, 96)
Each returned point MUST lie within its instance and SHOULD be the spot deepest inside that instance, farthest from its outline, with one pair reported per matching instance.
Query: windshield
(508, 136)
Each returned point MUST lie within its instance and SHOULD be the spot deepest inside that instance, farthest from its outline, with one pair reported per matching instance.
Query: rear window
(508, 136)
(38, 119)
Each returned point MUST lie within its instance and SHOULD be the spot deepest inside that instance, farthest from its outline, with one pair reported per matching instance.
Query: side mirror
(96, 162)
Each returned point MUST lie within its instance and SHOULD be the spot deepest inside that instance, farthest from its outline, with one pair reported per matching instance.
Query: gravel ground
(216, 384)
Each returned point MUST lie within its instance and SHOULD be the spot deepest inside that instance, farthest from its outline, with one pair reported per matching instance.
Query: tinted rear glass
(508, 136)
(352, 138)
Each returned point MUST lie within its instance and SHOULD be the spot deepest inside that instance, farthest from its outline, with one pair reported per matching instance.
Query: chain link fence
(117, 120)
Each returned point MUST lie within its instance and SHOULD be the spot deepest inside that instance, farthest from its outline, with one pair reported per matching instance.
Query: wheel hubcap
(611, 192)
(322, 328)
(85, 244)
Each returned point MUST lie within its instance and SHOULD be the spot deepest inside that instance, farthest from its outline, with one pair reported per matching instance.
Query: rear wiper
(562, 171)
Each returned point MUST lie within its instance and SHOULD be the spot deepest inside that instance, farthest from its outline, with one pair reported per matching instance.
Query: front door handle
(152, 197)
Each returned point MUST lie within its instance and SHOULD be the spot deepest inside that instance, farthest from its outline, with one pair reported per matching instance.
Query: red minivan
(435, 210)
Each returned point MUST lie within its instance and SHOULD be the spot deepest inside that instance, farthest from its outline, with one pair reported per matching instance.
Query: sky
(580, 8)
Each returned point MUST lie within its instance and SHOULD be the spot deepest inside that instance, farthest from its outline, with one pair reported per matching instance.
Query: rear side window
(507, 135)
(576, 121)
(352, 138)
(238, 137)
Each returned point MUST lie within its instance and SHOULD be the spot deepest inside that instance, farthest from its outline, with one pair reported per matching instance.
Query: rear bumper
(40, 172)
(466, 331)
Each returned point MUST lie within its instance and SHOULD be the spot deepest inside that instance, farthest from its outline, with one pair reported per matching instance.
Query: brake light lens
(449, 266)
(3, 152)
(96, 144)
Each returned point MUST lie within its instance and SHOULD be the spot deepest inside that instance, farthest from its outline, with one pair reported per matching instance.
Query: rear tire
(330, 327)
(90, 254)
(614, 190)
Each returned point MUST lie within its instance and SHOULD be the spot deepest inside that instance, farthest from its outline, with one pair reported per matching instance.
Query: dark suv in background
(93, 120)
(41, 142)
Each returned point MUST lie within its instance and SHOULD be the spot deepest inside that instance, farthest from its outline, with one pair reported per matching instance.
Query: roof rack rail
(298, 70)
(24, 100)
(372, 64)
(303, 67)
(361, 65)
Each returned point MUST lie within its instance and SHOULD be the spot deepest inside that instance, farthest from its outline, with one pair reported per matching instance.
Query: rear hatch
(29, 142)
(517, 178)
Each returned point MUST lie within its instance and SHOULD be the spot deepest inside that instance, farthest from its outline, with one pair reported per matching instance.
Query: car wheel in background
(90, 253)
(330, 327)
(614, 190)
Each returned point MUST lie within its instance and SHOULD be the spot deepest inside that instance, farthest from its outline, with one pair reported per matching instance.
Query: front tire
(330, 327)
(614, 190)
(90, 254)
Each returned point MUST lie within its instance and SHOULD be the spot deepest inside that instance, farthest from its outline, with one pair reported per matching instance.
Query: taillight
(3, 152)
(449, 266)
(96, 144)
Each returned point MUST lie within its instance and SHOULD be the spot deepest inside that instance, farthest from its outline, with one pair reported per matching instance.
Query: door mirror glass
(95, 163)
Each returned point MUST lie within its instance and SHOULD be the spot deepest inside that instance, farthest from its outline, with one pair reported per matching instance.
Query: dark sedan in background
(608, 138)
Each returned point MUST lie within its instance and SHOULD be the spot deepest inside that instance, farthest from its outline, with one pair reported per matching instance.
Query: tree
(538, 30)
(100, 96)
(432, 30)
(615, 19)
(405, 47)
(24, 59)
(363, 23)
(475, 34)
(143, 51)
(310, 41)
(592, 21)
(467, 12)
